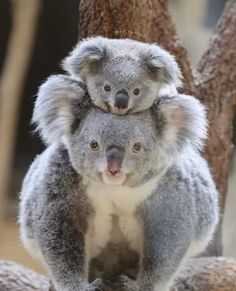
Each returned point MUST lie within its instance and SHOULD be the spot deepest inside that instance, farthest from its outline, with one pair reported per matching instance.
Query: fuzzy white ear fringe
(189, 125)
(52, 112)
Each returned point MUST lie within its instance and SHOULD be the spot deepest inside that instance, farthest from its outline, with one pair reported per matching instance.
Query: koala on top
(117, 202)
(123, 75)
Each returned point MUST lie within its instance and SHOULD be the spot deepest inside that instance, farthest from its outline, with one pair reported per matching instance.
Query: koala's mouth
(116, 110)
(120, 111)
(117, 179)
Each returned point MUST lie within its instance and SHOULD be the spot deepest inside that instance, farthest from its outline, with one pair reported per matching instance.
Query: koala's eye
(94, 145)
(107, 87)
(136, 91)
(137, 147)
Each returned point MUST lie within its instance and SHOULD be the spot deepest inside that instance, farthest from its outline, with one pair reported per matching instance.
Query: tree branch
(201, 274)
(16, 277)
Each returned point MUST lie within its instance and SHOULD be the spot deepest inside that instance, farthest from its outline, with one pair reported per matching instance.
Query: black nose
(121, 99)
(114, 158)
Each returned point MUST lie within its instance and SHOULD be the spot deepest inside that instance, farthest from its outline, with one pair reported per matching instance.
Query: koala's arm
(167, 235)
(178, 222)
(168, 232)
(53, 214)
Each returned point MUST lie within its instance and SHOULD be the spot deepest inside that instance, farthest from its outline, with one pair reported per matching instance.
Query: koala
(117, 202)
(123, 75)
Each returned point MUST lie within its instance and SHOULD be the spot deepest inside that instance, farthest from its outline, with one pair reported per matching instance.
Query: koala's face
(122, 84)
(122, 74)
(112, 149)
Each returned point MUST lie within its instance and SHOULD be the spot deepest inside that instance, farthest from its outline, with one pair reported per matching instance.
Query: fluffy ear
(86, 56)
(62, 101)
(180, 120)
(163, 65)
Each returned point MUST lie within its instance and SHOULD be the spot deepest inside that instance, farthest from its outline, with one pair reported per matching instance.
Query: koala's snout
(122, 99)
(114, 159)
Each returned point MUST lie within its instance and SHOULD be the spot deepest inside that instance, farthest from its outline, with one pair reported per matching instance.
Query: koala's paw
(123, 283)
(97, 285)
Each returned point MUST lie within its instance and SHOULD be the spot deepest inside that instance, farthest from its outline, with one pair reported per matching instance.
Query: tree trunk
(214, 83)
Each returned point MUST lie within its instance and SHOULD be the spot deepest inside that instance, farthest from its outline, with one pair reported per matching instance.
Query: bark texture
(202, 274)
(147, 21)
(15, 277)
(216, 85)
(214, 82)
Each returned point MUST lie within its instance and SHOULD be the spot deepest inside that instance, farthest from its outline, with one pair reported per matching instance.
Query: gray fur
(57, 98)
(186, 118)
(177, 219)
(123, 64)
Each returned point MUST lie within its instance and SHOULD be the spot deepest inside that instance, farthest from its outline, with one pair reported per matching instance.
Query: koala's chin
(109, 106)
(119, 111)
(118, 179)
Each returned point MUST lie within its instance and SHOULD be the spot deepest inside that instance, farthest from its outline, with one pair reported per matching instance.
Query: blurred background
(35, 35)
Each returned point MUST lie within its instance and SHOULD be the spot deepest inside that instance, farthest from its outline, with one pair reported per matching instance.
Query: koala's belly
(114, 236)
(118, 255)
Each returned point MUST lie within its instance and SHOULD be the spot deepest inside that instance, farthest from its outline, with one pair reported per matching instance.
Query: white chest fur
(119, 201)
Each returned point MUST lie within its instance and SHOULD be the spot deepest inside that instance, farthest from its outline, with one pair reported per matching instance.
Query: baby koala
(123, 75)
(117, 202)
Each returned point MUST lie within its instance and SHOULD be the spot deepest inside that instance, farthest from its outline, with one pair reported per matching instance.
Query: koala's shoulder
(56, 167)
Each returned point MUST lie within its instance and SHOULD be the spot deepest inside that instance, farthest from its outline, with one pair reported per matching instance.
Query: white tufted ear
(181, 119)
(54, 106)
(85, 56)
(163, 65)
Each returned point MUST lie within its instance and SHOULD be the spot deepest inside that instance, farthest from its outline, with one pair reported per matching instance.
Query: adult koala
(117, 201)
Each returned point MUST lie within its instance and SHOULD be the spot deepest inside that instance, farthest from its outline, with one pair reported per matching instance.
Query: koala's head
(120, 150)
(121, 74)
(113, 149)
